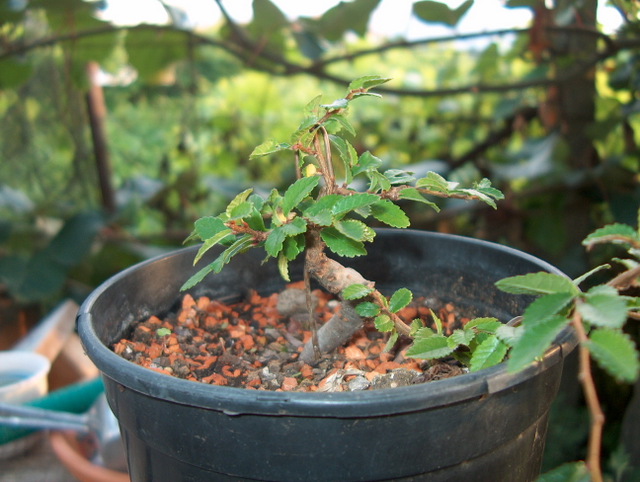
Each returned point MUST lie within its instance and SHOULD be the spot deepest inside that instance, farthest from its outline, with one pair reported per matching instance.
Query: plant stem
(591, 397)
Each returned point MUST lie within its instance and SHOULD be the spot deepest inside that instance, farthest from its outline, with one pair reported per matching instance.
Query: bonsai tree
(319, 213)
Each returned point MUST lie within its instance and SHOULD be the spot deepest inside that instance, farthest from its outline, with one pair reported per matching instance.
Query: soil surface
(255, 344)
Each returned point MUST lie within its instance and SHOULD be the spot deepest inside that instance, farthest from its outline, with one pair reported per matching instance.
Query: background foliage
(547, 112)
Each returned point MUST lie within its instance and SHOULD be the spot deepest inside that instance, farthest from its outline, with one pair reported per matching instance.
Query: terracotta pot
(487, 426)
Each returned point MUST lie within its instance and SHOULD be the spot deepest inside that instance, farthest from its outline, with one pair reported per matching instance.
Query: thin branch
(591, 397)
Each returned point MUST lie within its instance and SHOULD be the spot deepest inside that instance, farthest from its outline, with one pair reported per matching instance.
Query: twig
(591, 397)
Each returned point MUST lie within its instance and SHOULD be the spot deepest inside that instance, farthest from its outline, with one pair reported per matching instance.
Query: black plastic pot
(484, 426)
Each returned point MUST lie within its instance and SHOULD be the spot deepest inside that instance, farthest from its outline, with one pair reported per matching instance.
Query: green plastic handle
(75, 398)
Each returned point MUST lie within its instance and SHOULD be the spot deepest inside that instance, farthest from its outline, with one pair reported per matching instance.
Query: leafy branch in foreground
(317, 213)
(598, 317)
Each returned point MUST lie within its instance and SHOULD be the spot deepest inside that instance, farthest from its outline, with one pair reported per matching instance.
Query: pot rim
(237, 401)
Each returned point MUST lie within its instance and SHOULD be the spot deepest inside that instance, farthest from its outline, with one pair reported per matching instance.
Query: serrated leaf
(238, 200)
(293, 246)
(462, 337)
(412, 194)
(398, 176)
(540, 283)
(615, 352)
(436, 321)
(435, 346)
(399, 300)
(240, 211)
(356, 291)
(393, 338)
(367, 309)
(348, 155)
(582, 278)
(197, 278)
(269, 146)
(484, 325)
(366, 162)
(603, 306)
(303, 133)
(488, 353)
(534, 341)
(340, 244)
(297, 192)
(387, 212)
(274, 242)
(350, 203)
(283, 267)
(208, 226)
(383, 323)
(294, 227)
(508, 334)
(320, 212)
(433, 181)
(544, 307)
(377, 182)
(367, 82)
(353, 229)
(346, 125)
(616, 233)
(416, 324)
(210, 243)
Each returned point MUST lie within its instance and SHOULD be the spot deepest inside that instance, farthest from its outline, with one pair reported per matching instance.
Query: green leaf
(412, 194)
(351, 203)
(416, 324)
(534, 341)
(488, 353)
(294, 227)
(297, 192)
(163, 332)
(208, 226)
(354, 229)
(196, 278)
(367, 309)
(383, 323)
(353, 16)
(571, 472)
(393, 338)
(367, 82)
(582, 278)
(283, 267)
(540, 283)
(486, 325)
(437, 322)
(293, 246)
(356, 291)
(434, 346)
(211, 242)
(240, 211)
(435, 182)
(348, 155)
(400, 299)
(545, 307)
(366, 162)
(615, 352)
(462, 337)
(267, 17)
(269, 146)
(239, 199)
(603, 307)
(387, 212)
(320, 212)
(274, 242)
(613, 233)
(378, 182)
(437, 12)
(342, 245)
(345, 124)
(508, 334)
(398, 176)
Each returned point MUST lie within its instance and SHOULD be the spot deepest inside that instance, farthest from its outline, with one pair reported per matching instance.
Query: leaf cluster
(602, 310)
